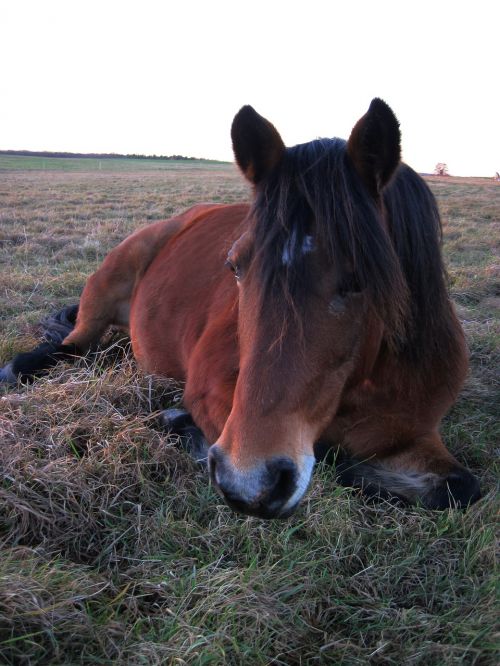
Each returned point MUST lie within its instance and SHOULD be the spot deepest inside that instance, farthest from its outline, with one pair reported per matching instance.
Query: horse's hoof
(7, 376)
(180, 422)
(174, 419)
(458, 490)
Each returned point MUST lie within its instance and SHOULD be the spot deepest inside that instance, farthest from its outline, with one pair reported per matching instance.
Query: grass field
(113, 547)
(33, 163)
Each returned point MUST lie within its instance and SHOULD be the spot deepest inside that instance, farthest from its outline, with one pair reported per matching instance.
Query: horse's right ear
(374, 146)
(257, 144)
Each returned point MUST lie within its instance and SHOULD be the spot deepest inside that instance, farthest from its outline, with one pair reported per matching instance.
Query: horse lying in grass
(316, 317)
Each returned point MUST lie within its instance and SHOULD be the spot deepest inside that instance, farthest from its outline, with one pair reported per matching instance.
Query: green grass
(114, 548)
(30, 163)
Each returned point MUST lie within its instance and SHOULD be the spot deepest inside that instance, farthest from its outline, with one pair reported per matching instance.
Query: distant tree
(441, 169)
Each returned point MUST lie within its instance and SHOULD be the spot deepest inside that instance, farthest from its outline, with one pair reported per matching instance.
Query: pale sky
(168, 76)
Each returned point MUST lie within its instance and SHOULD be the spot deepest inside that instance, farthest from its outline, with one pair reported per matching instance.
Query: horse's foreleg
(422, 472)
(207, 396)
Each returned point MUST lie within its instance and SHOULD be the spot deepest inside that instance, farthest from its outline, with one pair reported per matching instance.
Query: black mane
(416, 233)
(315, 191)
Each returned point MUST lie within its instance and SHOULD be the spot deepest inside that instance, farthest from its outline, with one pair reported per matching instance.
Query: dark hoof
(180, 422)
(174, 419)
(7, 376)
(59, 325)
(458, 490)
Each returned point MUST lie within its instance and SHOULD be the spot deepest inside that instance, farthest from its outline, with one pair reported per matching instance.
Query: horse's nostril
(260, 491)
(211, 467)
(221, 474)
(283, 480)
(215, 459)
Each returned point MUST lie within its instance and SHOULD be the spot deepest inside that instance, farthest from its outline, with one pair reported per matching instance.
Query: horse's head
(314, 260)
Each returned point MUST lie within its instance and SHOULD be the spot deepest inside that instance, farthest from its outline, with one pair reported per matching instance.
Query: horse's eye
(234, 267)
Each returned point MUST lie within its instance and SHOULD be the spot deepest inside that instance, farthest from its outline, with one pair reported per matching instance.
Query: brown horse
(316, 317)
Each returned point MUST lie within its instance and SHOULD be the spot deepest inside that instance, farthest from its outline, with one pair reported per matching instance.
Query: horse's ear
(374, 146)
(257, 144)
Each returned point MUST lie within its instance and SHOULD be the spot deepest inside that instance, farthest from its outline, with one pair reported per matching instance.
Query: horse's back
(137, 251)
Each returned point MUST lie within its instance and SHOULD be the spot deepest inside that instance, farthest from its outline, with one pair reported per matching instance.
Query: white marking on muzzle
(248, 484)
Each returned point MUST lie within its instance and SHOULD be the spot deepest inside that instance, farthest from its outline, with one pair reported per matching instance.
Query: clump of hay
(84, 461)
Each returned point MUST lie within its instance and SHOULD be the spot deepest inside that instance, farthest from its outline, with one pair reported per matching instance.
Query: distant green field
(23, 163)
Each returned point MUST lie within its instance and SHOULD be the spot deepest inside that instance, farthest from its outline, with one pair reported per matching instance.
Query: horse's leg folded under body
(433, 491)
(207, 395)
(423, 473)
(105, 302)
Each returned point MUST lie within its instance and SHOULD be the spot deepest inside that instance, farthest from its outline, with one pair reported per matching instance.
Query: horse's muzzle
(271, 489)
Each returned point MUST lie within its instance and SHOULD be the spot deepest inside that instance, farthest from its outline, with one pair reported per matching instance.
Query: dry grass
(114, 549)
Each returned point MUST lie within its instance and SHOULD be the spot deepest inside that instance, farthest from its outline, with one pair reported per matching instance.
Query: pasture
(114, 548)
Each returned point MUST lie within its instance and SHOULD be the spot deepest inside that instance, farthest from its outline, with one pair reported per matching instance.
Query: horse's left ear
(374, 146)
(257, 144)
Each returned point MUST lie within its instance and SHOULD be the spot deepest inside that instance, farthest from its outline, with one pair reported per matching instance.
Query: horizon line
(63, 154)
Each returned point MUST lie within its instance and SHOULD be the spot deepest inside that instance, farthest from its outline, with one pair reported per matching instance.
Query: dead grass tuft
(83, 459)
